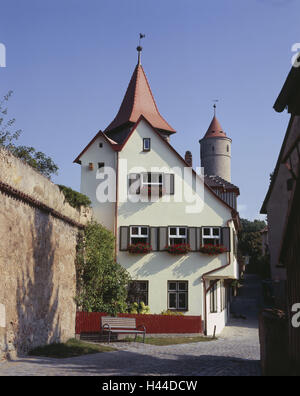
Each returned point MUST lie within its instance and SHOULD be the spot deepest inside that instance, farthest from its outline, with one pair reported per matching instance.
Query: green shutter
(124, 238)
(192, 238)
(226, 238)
(163, 238)
(154, 238)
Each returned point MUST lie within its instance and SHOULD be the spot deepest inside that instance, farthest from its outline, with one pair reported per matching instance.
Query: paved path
(235, 353)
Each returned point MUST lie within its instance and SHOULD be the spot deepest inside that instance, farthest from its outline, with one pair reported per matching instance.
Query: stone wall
(38, 237)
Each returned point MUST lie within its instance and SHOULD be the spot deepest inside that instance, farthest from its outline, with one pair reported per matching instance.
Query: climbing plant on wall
(102, 283)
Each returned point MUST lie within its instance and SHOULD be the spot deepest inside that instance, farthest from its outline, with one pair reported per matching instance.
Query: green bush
(74, 198)
(102, 283)
(169, 312)
(138, 308)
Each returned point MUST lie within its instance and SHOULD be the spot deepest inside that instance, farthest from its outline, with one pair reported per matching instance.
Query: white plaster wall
(160, 267)
(104, 213)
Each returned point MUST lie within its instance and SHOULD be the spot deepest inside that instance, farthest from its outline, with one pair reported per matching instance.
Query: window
(214, 297)
(178, 295)
(177, 235)
(211, 236)
(152, 183)
(101, 166)
(100, 145)
(138, 292)
(146, 144)
(152, 179)
(139, 234)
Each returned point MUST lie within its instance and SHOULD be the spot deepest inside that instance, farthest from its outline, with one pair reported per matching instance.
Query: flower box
(143, 248)
(180, 248)
(213, 250)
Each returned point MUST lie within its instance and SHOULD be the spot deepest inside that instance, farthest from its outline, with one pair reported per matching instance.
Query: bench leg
(144, 338)
(135, 337)
(109, 337)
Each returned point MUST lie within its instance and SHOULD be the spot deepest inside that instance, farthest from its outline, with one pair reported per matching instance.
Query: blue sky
(69, 63)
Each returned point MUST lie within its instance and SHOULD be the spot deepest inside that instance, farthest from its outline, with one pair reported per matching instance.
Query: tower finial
(215, 106)
(140, 48)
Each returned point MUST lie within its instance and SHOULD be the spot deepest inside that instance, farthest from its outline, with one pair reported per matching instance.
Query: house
(158, 205)
(277, 200)
(284, 194)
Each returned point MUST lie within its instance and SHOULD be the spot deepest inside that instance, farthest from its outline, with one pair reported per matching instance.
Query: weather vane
(139, 47)
(215, 105)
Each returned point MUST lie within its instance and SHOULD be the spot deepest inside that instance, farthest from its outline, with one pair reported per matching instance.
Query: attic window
(101, 166)
(146, 144)
(100, 145)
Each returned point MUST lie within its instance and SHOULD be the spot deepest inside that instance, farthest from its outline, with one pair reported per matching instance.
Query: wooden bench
(122, 326)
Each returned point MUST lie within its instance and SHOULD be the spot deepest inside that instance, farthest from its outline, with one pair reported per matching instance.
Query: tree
(102, 283)
(8, 137)
(36, 159)
(250, 243)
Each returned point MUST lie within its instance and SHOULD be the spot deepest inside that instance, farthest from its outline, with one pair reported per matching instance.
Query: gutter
(210, 287)
(116, 203)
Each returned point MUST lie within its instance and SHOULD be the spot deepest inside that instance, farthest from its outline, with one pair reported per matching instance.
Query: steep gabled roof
(139, 100)
(114, 145)
(289, 96)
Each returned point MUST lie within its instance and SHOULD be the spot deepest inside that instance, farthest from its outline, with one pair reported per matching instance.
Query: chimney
(189, 158)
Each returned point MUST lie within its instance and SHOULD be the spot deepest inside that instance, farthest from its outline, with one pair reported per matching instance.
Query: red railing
(89, 322)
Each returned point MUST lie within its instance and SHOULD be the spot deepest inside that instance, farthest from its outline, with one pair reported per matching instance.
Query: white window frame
(151, 183)
(211, 234)
(139, 234)
(178, 236)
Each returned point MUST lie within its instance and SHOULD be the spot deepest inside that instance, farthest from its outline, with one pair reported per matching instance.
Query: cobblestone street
(235, 353)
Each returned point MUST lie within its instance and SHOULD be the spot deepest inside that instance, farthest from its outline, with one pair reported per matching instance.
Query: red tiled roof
(138, 100)
(215, 129)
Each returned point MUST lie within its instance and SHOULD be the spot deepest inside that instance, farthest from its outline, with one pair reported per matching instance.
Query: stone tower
(215, 151)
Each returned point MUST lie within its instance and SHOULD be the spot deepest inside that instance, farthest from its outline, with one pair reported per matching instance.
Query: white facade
(159, 267)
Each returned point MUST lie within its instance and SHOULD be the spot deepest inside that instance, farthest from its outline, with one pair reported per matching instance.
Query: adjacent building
(282, 205)
(167, 218)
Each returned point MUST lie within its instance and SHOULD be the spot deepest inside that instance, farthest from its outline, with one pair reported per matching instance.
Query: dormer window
(146, 144)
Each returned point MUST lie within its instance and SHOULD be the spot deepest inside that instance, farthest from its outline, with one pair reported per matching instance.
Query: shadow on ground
(117, 363)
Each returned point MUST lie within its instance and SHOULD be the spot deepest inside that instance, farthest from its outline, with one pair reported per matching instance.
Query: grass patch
(71, 348)
(163, 341)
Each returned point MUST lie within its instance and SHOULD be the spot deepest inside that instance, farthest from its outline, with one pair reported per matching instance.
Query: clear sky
(69, 63)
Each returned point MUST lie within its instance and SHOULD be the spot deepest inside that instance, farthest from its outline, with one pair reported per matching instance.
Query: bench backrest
(118, 323)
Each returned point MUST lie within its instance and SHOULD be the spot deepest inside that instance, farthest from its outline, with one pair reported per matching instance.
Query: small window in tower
(227, 148)
(100, 145)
